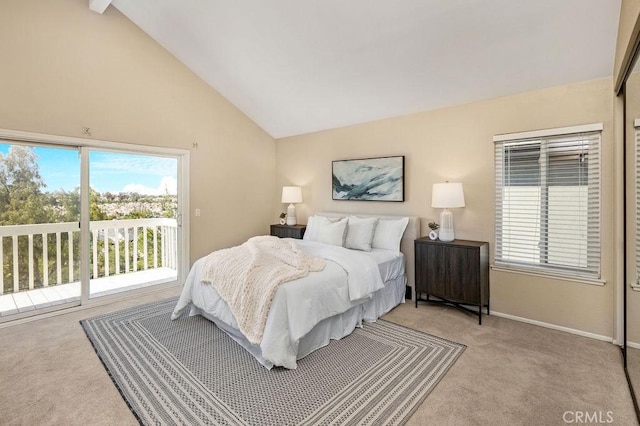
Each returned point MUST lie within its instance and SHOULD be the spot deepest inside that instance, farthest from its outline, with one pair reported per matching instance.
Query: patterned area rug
(189, 372)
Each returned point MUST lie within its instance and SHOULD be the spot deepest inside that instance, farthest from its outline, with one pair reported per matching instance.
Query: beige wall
(628, 28)
(65, 67)
(456, 144)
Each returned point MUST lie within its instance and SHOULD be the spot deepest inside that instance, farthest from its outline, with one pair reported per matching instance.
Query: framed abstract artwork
(368, 179)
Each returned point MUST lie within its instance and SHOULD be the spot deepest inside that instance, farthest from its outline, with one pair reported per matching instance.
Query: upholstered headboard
(406, 244)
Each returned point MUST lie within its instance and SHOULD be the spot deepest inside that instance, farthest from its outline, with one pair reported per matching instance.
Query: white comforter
(247, 277)
(349, 279)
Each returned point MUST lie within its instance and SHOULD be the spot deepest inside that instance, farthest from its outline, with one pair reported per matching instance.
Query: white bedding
(301, 305)
(390, 264)
(248, 276)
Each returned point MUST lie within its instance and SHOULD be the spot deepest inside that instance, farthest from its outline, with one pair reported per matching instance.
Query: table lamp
(446, 196)
(291, 195)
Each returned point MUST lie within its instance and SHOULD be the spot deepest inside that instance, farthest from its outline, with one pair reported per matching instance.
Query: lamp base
(291, 215)
(446, 226)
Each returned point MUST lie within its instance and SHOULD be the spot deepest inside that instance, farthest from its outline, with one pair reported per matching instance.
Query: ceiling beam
(99, 5)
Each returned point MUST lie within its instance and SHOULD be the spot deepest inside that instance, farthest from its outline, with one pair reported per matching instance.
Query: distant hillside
(131, 205)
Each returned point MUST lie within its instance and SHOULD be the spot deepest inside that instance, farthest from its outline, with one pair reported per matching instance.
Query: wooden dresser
(288, 231)
(456, 273)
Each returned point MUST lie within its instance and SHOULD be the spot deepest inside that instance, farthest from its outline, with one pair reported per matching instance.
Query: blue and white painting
(369, 179)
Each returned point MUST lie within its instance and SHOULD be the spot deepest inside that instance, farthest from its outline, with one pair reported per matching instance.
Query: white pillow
(388, 234)
(309, 233)
(328, 231)
(360, 233)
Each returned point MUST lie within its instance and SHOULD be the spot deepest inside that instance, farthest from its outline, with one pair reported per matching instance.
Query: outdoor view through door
(39, 227)
(133, 230)
(133, 221)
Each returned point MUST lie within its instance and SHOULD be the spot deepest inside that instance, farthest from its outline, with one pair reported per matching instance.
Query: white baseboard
(557, 327)
(633, 345)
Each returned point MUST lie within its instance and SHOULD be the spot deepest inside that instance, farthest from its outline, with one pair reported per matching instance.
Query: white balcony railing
(53, 251)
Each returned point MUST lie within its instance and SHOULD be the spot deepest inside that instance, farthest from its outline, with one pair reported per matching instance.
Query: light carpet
(190, 372)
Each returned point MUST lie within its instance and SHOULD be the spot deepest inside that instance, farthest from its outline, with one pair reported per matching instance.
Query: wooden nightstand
(288, 231)
(455, 272)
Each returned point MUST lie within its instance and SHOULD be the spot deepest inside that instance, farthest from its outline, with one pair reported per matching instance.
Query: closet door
(633, 227)
(631, 283)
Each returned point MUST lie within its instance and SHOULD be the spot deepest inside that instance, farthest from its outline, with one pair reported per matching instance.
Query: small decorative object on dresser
(288, 231)
(455, 272)
(433, 234)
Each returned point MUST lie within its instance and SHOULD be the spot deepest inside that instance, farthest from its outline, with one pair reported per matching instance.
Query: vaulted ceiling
(300, 66)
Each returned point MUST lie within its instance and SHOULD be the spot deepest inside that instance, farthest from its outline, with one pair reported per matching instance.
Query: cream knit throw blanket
(247, 277)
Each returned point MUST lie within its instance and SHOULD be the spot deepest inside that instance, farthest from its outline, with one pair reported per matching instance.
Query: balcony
(41, 263)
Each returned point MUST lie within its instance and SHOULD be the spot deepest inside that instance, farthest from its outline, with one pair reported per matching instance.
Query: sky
(108, 171)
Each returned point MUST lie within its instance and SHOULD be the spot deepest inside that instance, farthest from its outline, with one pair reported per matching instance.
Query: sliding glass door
(39, 227)
(81, 219)
(133, 221)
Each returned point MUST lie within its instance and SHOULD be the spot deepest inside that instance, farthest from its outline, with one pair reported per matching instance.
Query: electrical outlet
(197, 212)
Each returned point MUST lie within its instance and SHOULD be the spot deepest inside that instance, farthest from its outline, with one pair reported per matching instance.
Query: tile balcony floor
(30, 300)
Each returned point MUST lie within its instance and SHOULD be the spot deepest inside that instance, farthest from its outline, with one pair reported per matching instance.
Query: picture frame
(368, 179)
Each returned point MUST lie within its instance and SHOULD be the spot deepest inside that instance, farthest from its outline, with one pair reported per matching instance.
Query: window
(548, 201)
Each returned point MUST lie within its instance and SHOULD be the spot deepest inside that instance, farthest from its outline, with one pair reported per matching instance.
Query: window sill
(579, 280)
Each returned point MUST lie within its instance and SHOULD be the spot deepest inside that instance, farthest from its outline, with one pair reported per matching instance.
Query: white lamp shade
(447, 195)
(291, 194)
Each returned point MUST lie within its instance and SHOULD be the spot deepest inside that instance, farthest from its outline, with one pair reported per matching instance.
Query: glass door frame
(85, 146)
(158, 250)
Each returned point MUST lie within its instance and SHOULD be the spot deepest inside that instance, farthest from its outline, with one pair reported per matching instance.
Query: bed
(308, 312)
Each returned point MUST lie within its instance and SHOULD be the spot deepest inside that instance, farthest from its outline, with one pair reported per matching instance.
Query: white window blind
(548, 203)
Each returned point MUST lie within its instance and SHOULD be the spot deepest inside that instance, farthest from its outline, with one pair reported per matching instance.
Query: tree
(22, 201)
(21, 198)
(169, 204)
(69, 205)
